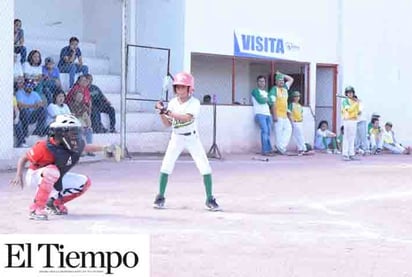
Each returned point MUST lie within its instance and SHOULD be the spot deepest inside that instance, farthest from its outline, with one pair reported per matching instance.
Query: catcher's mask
(67, 130)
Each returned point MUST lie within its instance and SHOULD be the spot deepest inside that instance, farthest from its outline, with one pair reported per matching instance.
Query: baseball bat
(345, 97)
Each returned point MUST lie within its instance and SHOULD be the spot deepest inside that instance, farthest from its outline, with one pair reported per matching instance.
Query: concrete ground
(291, 216)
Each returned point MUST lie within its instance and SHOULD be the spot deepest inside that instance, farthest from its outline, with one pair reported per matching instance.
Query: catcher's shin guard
(50, 175)
(70, 196)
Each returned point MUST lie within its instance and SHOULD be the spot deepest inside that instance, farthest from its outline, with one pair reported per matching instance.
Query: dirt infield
(290, 216)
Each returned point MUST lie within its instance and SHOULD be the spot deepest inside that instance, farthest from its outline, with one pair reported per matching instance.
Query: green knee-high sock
(325, 143)
(207, 180)
(334, 143)
(162, 183)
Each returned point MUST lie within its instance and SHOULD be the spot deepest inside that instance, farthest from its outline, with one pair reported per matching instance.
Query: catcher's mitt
(113, 151)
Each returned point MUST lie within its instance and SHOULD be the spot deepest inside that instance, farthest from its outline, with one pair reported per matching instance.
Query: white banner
(75, 255)
(260, 45)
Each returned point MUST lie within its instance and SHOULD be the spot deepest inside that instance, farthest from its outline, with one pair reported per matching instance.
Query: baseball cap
(376, 115)
(279, 77)
(295, 93)
(29, 84)
(389, 123)
(49, 60)
(349, 88)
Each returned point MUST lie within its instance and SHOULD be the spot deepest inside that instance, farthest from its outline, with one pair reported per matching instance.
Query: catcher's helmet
(184, 79)
(67, 130)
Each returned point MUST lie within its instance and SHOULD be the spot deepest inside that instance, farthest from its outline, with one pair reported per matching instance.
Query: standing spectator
(296, 117)
(67, 62)
(19, 47)
(32, 68)
(261, 101)
(325, 139)
(18, 69)
(279, 96)
(390, 143)
(57, 107)
(100, 104)
(51, 79)
(375, 137)
(82, 113)
(31, 109)
(350, 112)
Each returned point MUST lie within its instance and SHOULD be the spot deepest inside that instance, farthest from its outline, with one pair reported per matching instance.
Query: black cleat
(159, 202)
(211, 205)
(51, 208)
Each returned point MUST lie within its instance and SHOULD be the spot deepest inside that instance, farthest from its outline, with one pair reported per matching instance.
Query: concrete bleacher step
(138, 122)
(54, 46)
(145, 142)
(96, 65)
(105, 82)
(131, 105)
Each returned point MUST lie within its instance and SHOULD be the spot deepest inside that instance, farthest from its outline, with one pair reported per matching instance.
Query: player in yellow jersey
(278, 95)
(350, 113)
(296, 117)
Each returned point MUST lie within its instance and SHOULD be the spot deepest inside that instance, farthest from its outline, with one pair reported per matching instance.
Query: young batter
(181, 114)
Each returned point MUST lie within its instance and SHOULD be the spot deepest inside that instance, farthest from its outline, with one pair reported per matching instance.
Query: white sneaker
(329, 151)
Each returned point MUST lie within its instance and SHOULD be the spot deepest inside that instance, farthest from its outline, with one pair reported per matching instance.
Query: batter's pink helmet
(185, 79)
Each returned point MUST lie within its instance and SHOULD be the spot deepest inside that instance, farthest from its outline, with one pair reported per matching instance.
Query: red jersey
(39, 155)
(86, 94)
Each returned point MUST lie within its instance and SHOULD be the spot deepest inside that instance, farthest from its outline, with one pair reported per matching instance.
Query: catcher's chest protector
(64, 159)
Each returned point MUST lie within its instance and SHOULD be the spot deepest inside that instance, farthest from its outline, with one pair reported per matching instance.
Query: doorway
(326, 89)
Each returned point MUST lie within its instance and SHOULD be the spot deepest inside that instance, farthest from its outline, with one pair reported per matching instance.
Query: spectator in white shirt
(57, 107)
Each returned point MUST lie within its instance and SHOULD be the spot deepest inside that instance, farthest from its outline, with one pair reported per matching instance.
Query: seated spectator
(375, 136)
(82, 84)
(374, 115)
(326, 139)
(100, 104)
(57, 107)
(32, 68)
(18, 69)
(207, 99)
(67, 62)
(31, 109)
(19, 47)
(82, 112)
(50, 80)
(390, 143)
(20, 140)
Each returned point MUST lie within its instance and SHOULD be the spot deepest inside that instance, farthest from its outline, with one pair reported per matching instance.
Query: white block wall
(6, 80)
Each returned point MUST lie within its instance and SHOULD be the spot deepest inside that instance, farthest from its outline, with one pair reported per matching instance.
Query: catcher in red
(50, 163)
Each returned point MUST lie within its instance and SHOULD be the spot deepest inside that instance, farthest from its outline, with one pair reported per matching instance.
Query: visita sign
(259, 45)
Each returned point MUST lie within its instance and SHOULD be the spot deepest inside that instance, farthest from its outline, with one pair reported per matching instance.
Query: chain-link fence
(67, 62)
(148, 80)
